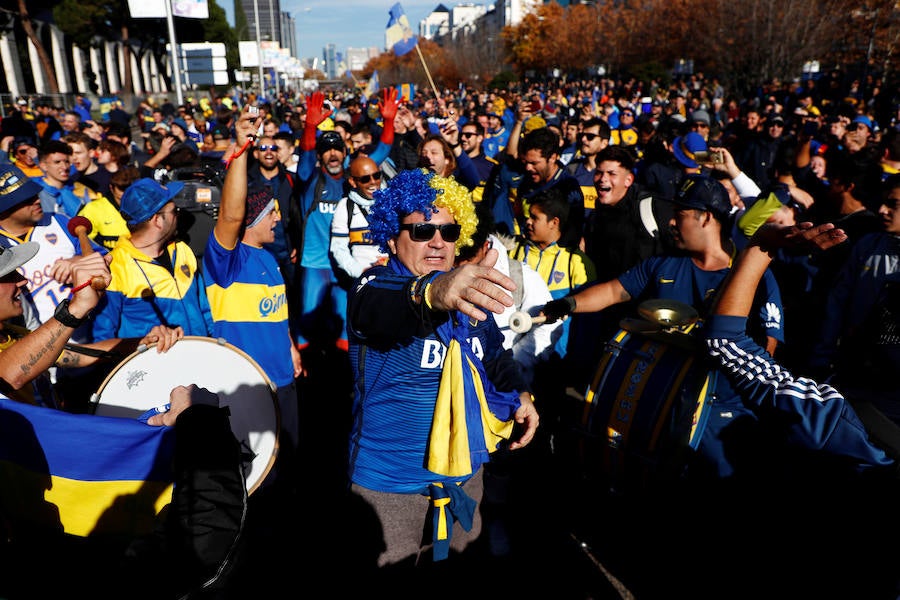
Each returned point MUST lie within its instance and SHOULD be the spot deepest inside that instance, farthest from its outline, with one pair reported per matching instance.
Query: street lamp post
(173, 44)
(272, 37)
(262, 86)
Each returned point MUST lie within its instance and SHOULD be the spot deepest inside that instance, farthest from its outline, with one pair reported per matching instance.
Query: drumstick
(81, 226)
(521, 322)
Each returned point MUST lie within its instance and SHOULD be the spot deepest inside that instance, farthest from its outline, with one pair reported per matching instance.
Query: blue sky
(345, 23)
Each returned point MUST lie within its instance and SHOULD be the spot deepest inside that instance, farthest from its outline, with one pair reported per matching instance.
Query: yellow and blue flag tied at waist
(451, 504)
(83, 474)
(470, 420)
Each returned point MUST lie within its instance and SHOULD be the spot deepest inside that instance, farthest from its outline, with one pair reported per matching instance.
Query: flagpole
(427, 72)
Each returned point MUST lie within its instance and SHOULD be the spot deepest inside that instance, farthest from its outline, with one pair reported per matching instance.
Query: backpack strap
(647, 218)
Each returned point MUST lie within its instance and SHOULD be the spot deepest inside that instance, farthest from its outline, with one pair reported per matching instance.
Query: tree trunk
(46, 63)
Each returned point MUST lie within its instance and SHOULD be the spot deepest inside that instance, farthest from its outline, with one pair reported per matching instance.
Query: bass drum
(144, 380)
(645, 409)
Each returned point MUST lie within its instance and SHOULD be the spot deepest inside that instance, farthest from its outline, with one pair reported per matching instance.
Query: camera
(535, 105)
(253, 110)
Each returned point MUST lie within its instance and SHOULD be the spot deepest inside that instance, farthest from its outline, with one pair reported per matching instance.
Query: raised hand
(315, 109)
(390, 103)
(803, 235)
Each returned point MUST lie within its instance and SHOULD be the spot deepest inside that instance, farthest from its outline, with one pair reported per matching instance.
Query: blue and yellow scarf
(471, 418)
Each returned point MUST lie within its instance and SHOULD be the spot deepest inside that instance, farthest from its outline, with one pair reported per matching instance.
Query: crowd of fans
(577, 182)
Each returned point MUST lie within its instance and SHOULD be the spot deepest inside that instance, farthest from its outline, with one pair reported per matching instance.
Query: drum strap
(19, 332)
(647, 218)
(515, 273)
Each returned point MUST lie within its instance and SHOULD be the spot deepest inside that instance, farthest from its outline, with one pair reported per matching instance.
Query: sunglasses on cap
(364, 179)
(267, 148)
(424, 232)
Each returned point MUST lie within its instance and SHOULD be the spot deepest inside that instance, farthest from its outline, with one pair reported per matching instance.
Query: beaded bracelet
(415, 290)
(420, 289)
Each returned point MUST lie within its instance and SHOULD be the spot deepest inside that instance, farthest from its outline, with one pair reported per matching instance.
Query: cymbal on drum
(668, 313)
(638, 325)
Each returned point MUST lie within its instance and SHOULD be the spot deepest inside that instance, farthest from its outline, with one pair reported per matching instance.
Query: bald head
(365, 176)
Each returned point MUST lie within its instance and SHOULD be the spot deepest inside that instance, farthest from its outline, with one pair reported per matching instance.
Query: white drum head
(145, 378)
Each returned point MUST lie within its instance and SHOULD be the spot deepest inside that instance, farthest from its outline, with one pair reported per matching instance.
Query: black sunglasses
(589, 136)
(266, 148)
(367, 178)
(423, 232)
(467, 134)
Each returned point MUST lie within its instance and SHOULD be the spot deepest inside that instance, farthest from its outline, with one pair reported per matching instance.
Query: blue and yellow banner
(406, 91)
(82, 474)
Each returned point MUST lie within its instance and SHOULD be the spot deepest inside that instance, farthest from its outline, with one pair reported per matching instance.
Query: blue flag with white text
(399, 35)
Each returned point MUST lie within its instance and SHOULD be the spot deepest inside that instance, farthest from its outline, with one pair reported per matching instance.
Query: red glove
(389, 107)
(315, 109)
(315, 114)
(390, 104)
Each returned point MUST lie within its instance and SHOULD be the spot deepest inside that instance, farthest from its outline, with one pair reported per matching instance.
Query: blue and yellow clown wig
(420, 190)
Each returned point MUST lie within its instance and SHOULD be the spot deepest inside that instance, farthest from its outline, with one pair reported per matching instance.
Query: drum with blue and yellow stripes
(645, 408)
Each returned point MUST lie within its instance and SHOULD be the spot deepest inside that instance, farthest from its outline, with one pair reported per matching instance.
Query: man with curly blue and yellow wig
(435, 393)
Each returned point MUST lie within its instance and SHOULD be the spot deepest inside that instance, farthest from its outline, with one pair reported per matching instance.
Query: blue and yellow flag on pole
(373, 85)
(82, 474)
(399, 35)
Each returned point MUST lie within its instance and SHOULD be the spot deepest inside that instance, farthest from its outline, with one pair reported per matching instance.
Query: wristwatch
(63, 315)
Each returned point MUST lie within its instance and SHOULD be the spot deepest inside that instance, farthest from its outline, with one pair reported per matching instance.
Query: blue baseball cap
(145, 197)
(702, 192)
(15, 187)
(865, 121)
(686, 146)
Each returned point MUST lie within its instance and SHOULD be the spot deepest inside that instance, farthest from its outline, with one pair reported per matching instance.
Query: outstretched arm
(233, 206)
(753, 261)
(593, 298)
